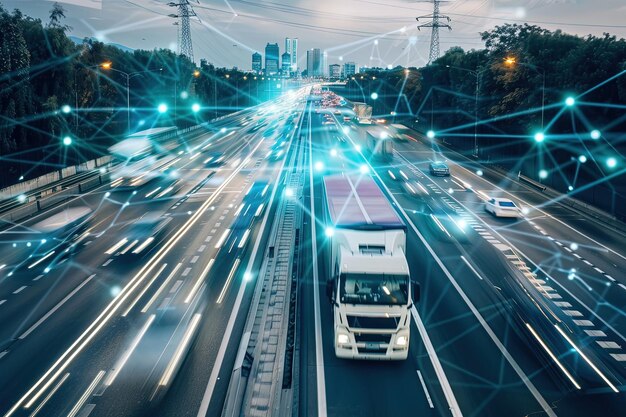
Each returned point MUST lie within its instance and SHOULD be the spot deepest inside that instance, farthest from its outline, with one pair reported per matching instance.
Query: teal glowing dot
(184, 95)
(67, 141)
(374, 96)
(66, 109)
(595, 134)
(543, 174)
(364, 169)
(329, 232)
(430, 134)
(611, 162)
(195, 107)
(247, 276)
(540, 137)
(582, 159)
(21, 198)
(162, 108)
(570, 101)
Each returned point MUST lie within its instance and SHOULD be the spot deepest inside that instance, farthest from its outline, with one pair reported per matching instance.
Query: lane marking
(52, 392)
(471, 267)
(161, 288)
(122, 361)
(19, 290)
(169, 371)
(228, 280)
(199, 281)
(86, 394)
(145, 288)
(518, 370)
(56, 307)
(430, 401)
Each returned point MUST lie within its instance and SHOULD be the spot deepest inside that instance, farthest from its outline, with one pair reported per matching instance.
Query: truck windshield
(383, 289)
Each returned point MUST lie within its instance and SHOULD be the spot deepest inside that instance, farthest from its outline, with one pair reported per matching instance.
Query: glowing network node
(540, 137)
(67, 141)
(247, 276)
(374, 96)
(595, 134)
(543, 174)
(107, 194)
(346, 130)
(319, 166)
(329, 232)
(364, 169)
(570, 101)
(479, 172)
(195, 107)
(115, 290)
(184, 95)
(570, 188)
(611, 162)
(573, 246)
(358, 148)
(223, 130)
(66, 109)
(28, 244)
(21, 198)
(333, 152)
(582, 159)
(162, 108)
(430, 134)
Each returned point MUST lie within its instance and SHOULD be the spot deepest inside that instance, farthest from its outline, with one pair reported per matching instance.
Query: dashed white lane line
(2, 302)
(622, 286)
(19, 290)
(107, 262)
(583, 323)
(608, 344)
(3, 352)
(587, 262)
(620, 357)
(202, 248)
(208, 239)
(186, 272)
(194, 259)
(38, 277)
(176, 286)
(598, 270)
(595, 333)
(430, 401)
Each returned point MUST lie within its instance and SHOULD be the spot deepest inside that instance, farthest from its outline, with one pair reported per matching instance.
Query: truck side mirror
(330, 284)
(415, 286)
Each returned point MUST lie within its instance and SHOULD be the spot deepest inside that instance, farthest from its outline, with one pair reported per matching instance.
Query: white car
(502, 207)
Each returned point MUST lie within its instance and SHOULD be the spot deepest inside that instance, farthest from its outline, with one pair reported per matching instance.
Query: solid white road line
(45, 400)
(122, 361)
(199, 281)
(55, 308)
(319, 351)
(471, 267)
(145, 288)
(228, 280)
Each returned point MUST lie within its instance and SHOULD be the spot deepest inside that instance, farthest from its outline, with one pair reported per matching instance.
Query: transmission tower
(435, 23)
(185, 11)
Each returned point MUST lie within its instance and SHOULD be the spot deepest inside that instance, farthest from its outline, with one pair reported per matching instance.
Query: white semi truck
(369, 281)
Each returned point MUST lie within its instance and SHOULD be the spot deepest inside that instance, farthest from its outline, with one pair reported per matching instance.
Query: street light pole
(476, 74)
(511, 61)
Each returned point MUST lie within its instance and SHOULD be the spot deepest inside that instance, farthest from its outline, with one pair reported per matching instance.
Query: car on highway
(439, 168)
(502, 207)
(146, 230)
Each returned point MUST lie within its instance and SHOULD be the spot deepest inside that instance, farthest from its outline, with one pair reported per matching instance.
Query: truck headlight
(401, 341)
(343, 339)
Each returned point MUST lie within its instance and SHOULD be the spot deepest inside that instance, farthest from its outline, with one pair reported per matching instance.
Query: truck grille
(372, 338)
(364, 322)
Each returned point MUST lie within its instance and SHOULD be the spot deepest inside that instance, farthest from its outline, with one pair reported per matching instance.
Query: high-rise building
(325, 64)
(334, 71)
(271, 59)
(291, 47)
(285, 68)
(314, 63)
(257, 62)
(349, 69)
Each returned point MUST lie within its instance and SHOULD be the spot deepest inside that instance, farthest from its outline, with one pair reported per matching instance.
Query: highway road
(516, 317)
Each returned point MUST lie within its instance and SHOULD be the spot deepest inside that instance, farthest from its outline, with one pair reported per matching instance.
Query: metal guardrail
(529, 181)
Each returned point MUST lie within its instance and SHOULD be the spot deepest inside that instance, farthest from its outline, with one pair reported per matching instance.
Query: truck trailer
(369, 282)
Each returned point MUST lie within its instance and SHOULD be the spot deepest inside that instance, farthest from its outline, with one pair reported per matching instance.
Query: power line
(185, 11)
(435, 23)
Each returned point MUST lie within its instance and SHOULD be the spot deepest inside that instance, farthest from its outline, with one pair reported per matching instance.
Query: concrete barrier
(58, 197)
(89, 184)
(20, 213)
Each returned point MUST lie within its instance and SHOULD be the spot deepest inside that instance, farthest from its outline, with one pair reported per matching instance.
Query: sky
(368, 32)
